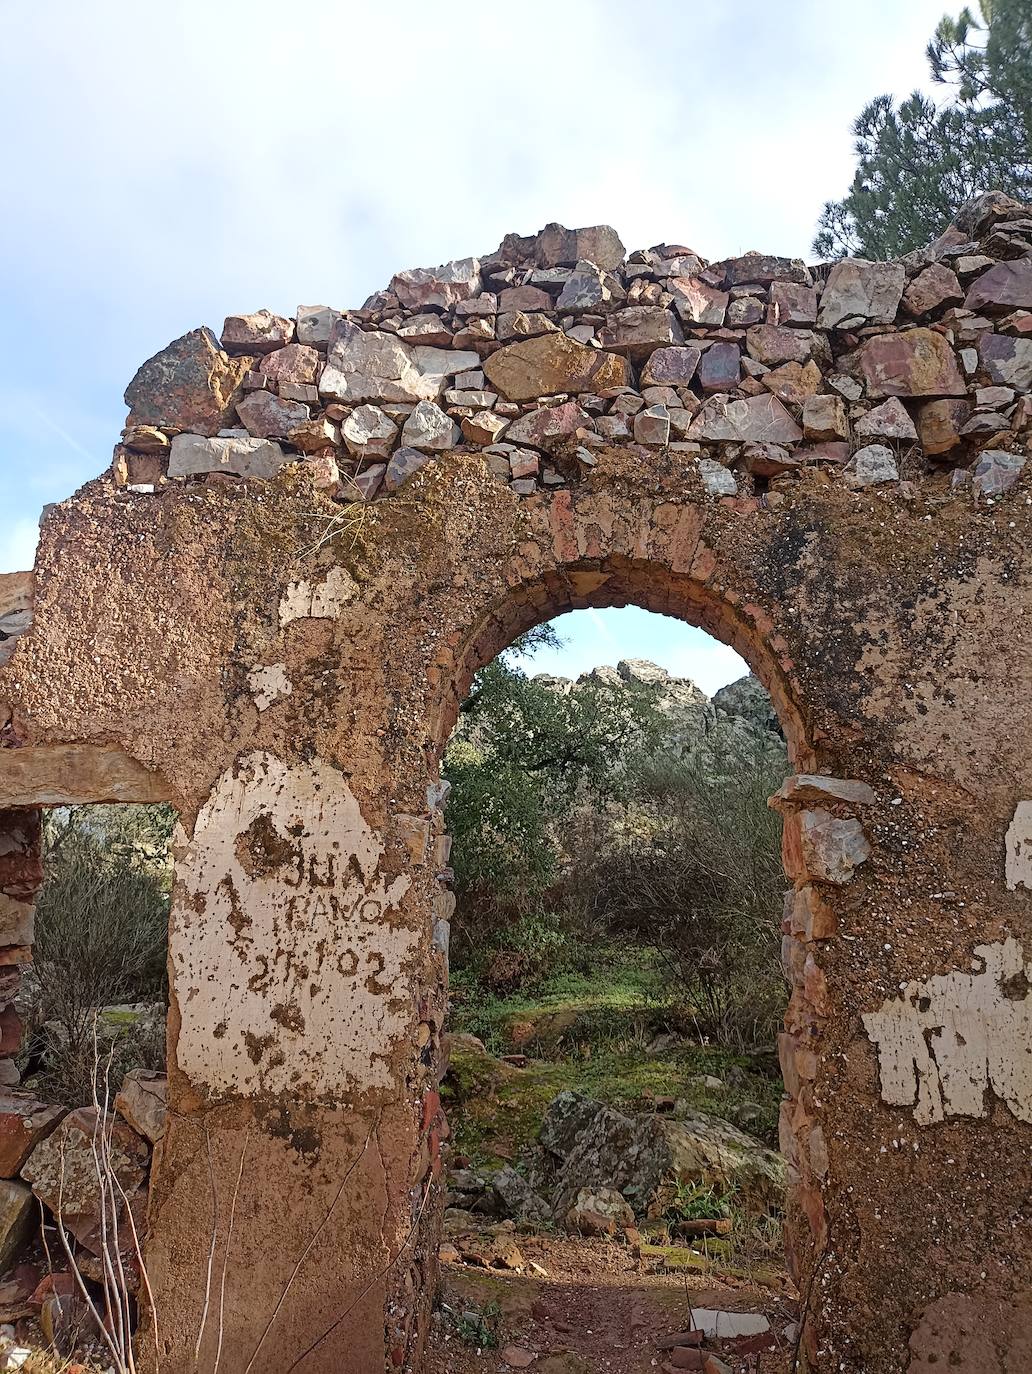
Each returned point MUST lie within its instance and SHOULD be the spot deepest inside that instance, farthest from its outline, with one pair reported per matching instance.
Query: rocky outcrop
(738, 716)
(646, 1158)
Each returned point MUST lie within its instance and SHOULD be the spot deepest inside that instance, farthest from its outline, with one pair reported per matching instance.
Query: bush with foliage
(101, 940)
(523, 757)
(695, 870)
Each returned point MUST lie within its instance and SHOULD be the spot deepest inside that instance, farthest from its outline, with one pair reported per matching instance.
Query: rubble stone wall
(315, 530)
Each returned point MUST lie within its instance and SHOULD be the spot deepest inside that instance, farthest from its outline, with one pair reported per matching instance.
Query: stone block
(553, 363)
(916, 362)
(141, 1103)
(17, 1220)
(190, 385)
(193, 455)
(24, 1122)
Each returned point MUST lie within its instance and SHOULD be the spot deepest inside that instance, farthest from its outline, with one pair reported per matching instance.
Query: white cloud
(215, 158)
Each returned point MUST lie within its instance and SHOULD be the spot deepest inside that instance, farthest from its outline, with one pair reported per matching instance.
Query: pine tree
(917, 163)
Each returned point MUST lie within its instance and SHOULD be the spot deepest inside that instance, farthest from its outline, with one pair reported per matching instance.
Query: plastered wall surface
(281, 651)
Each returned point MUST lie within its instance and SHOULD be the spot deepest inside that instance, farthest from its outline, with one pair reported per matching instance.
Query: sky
(167, 165)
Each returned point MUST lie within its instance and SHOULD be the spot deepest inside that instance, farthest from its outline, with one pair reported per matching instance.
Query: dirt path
(593, 1310)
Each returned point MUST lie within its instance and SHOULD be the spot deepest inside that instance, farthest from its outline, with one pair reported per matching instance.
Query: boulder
(440, 364)
(63, 1172)
(368, 431)
(873, 465)
(18, 1215)
(549, 426)
(262, 332)
(791, 304)
(403, 465)
(816, 844)
(772, 344)
(977, 215)
(745, 310)
(824, 417)
(996, 472)
(586, 289)
(756, 419)
(763, 269)
(516, 1198)
(939, 424)
(652, 426)
(141, 1102)
(567, 1116)
(793, 383)
(428, 328)
(364, 485)
(485, 427)
(697, 302)
(372, 365)
(297, 364)
(915, 362)
(190, 385)
(552, 363)
(312, 436)
(520, 324)
(887, 421)
(24, 1122)
(1007, 360)
(720, 368)
(645, 1158)
(556, 246)
(861, 292)
(266, 416)
(716, 479)
(932, 289)
(192, 454)
(17, 918)
(315, 324)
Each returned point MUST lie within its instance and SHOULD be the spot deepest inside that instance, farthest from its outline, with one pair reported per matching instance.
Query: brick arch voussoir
(542, 593)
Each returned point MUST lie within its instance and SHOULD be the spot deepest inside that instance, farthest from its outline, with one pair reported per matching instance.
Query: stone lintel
(76, 774)
(16, 592)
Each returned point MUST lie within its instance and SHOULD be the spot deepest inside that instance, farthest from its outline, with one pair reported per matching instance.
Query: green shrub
(101, 940)
(695, 868)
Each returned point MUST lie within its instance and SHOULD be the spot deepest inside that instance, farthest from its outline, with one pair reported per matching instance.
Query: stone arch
(602, 582)
(273, 631)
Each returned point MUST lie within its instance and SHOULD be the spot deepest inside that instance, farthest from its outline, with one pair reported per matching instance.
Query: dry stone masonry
(317, 528)
(559, 344)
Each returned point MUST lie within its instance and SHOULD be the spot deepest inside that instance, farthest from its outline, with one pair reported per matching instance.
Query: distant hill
(740, 714)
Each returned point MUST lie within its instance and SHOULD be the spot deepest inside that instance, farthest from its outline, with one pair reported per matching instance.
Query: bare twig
(113, 1349)
(382, 1273)
(225, 1251)
(211, 1250)
(311, 1244)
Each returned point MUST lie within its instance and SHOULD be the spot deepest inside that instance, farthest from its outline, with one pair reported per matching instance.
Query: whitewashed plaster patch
(944, 1042)
(288, 972)
(1019, 847)
(268, 684)
(318, 600)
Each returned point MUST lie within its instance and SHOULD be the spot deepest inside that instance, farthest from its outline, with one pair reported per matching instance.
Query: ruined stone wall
(273, 627)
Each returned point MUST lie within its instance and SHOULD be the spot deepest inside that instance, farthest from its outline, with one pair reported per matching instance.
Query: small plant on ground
(479, 1327)
(698, 1202)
